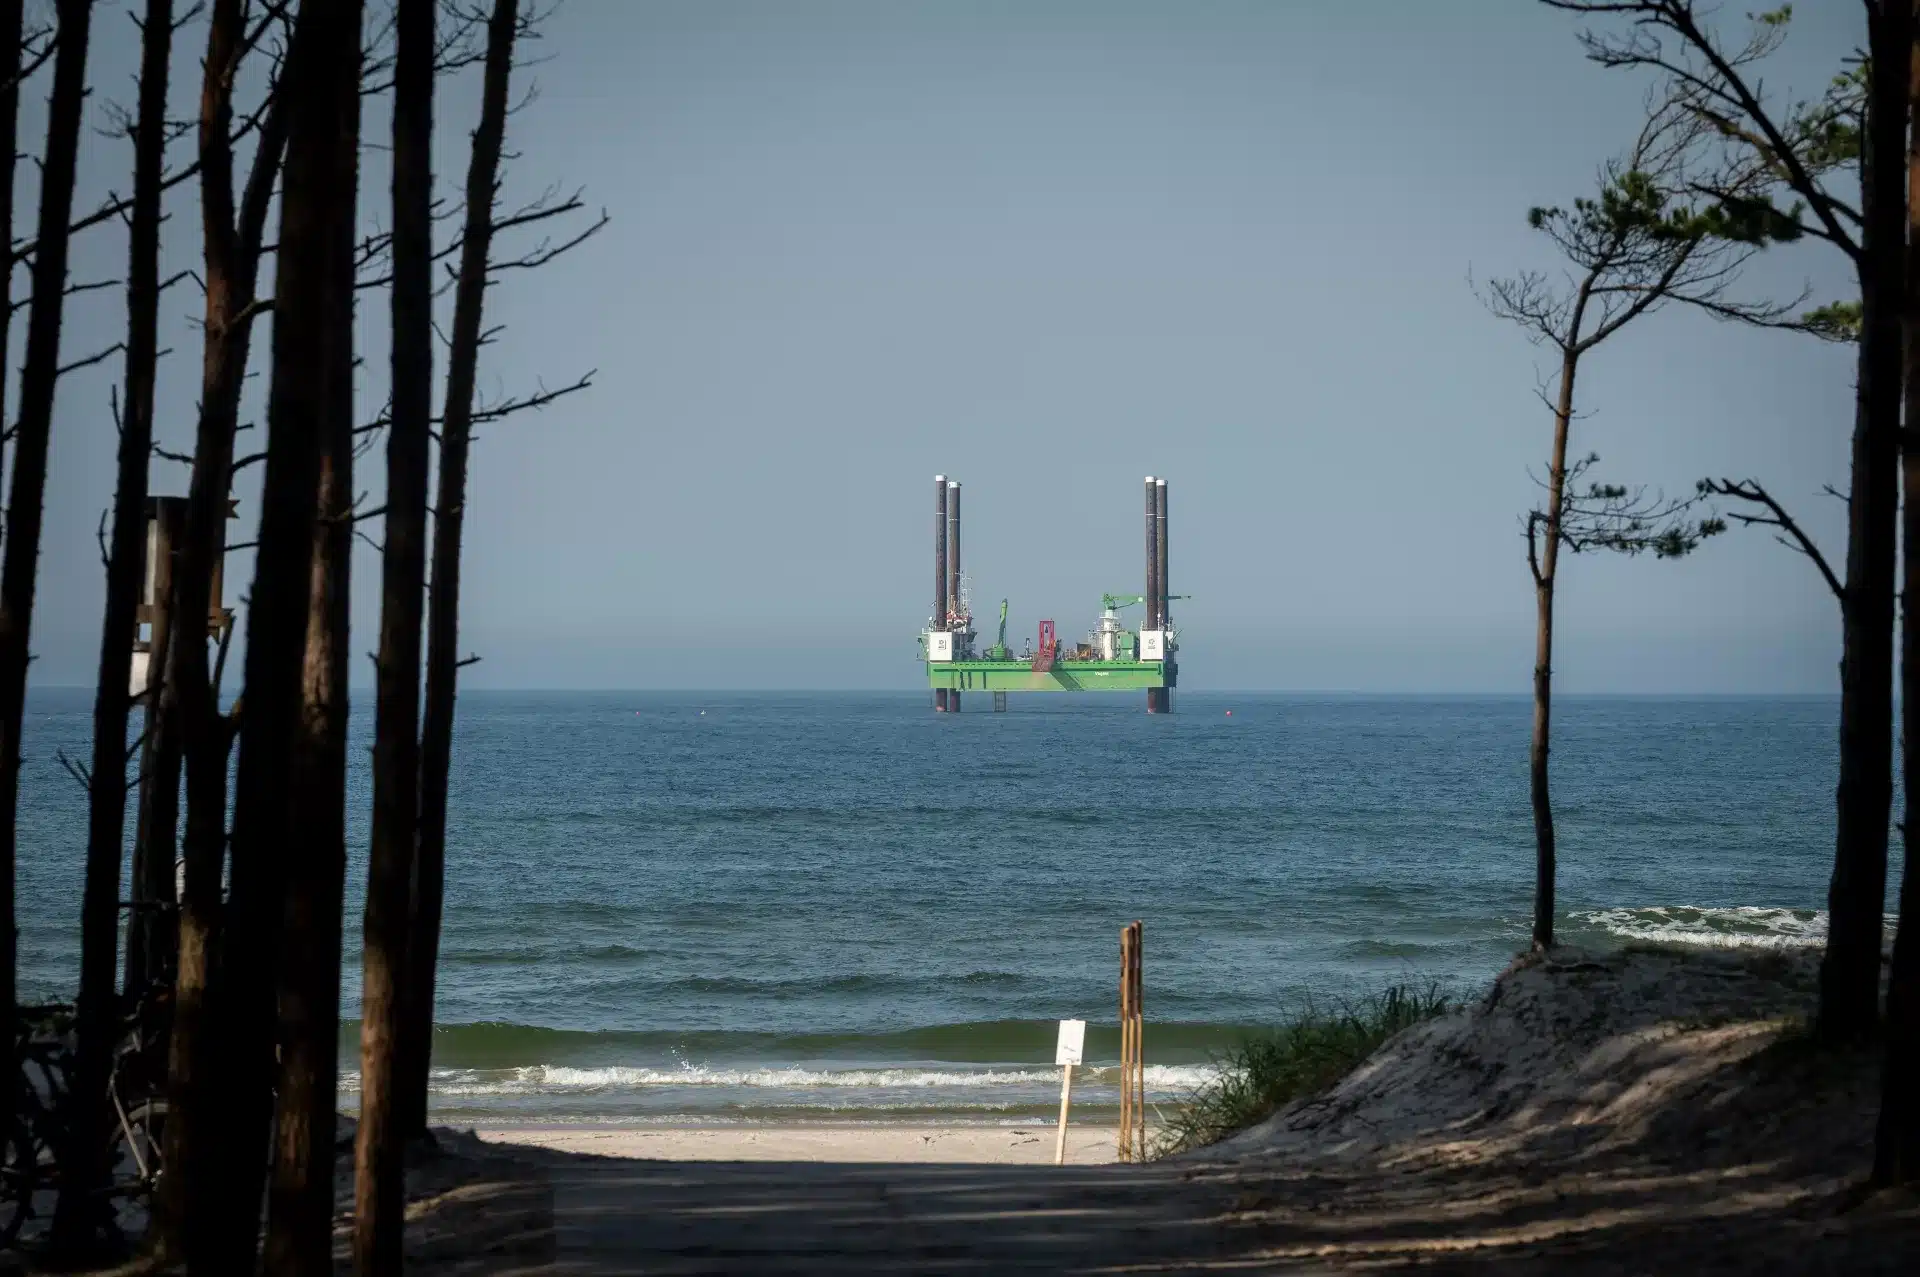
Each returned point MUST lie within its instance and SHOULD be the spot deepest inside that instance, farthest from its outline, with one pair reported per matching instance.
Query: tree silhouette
(1634, 246)
(1787, 162)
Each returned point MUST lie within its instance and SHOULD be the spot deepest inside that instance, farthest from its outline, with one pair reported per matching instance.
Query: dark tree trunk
(443, 607)
(379, 1155)
(83, 1166)
(266, 843)
(39, 375)
(1897, 1142)
(11, 22)
(1546, 565)
(188, 1218)
(1856, 898)
(159, 806)
(300, 1208)
(12, 33)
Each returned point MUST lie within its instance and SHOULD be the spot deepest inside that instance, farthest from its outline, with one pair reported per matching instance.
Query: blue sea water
(730, 906)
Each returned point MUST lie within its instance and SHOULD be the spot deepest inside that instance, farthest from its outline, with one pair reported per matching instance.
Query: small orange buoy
(1229, 713)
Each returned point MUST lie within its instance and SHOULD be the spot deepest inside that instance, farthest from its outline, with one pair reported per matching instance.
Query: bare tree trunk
(379, 1154)
(300, 1207)
(82, 1168)
(300, 1210)
(189, 1209)
(1856, 897)
(1546, 563)
(158, 812)
(39, 375)
(323, 53)
(1897, 1141)
(11, 33)
(443, 605)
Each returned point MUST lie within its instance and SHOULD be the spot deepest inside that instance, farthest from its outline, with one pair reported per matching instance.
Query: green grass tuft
(1261, 1074)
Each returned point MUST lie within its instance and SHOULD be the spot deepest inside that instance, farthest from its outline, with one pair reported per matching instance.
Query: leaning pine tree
(1813, 171)
(1630, 249)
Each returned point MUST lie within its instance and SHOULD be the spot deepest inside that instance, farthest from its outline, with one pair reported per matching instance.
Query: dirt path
(629, 1216)
(773, 1217)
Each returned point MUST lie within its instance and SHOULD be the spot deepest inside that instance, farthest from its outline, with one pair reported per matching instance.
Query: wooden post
(1066, 1098)
(1139, 1049)
(1069, 1052)
(1121, 1148)
(1132, 1145)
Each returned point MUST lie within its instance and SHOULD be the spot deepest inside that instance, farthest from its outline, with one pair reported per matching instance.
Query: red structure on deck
(1049, 648)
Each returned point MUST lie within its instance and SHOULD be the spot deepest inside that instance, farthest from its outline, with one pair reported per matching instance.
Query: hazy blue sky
(1047, 248)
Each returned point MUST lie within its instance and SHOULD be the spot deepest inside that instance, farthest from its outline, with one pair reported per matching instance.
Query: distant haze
(1046, 249)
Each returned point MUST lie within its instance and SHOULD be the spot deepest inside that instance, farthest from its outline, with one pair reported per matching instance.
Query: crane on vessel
(1109, 640)
(1114, 602)
(998, 652)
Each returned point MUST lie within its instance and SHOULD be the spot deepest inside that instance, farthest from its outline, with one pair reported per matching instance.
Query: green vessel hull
(1065, 676)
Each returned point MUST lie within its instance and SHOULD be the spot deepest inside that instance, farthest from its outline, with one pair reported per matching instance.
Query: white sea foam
(551, 1079)
(1742, 927)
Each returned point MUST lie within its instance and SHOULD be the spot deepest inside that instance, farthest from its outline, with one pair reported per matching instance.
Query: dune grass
(1304, 1057)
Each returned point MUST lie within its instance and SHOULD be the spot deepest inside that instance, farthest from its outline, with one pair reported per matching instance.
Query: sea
(719, 908)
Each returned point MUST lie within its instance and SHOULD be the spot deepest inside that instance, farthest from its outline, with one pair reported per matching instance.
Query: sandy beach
(1029, 1144)
(1651, 1110)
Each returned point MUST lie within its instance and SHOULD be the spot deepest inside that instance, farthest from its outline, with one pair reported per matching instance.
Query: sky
(1045, 247)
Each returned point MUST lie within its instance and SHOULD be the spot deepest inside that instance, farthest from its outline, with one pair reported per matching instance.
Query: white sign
(1073, 1040)
(939, 645)
(1153, 645)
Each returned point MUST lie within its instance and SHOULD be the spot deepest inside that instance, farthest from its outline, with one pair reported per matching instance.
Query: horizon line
(1476, 694)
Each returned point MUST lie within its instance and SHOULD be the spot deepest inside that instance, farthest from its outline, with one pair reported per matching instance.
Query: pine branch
(1775, 515)
(76, 770)
(1711, 79)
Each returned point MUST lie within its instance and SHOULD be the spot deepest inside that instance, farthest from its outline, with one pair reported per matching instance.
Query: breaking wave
(558, 1080)
(1740, 927)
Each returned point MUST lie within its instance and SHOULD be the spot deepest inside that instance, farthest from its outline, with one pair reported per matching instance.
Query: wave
(690, 815)
(1739, 927)
(560, 1080)
(1021, 1043)
(1392, 949)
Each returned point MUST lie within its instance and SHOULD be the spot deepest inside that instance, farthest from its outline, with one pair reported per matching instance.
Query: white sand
(1005, 1145)
(1577, 1041)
